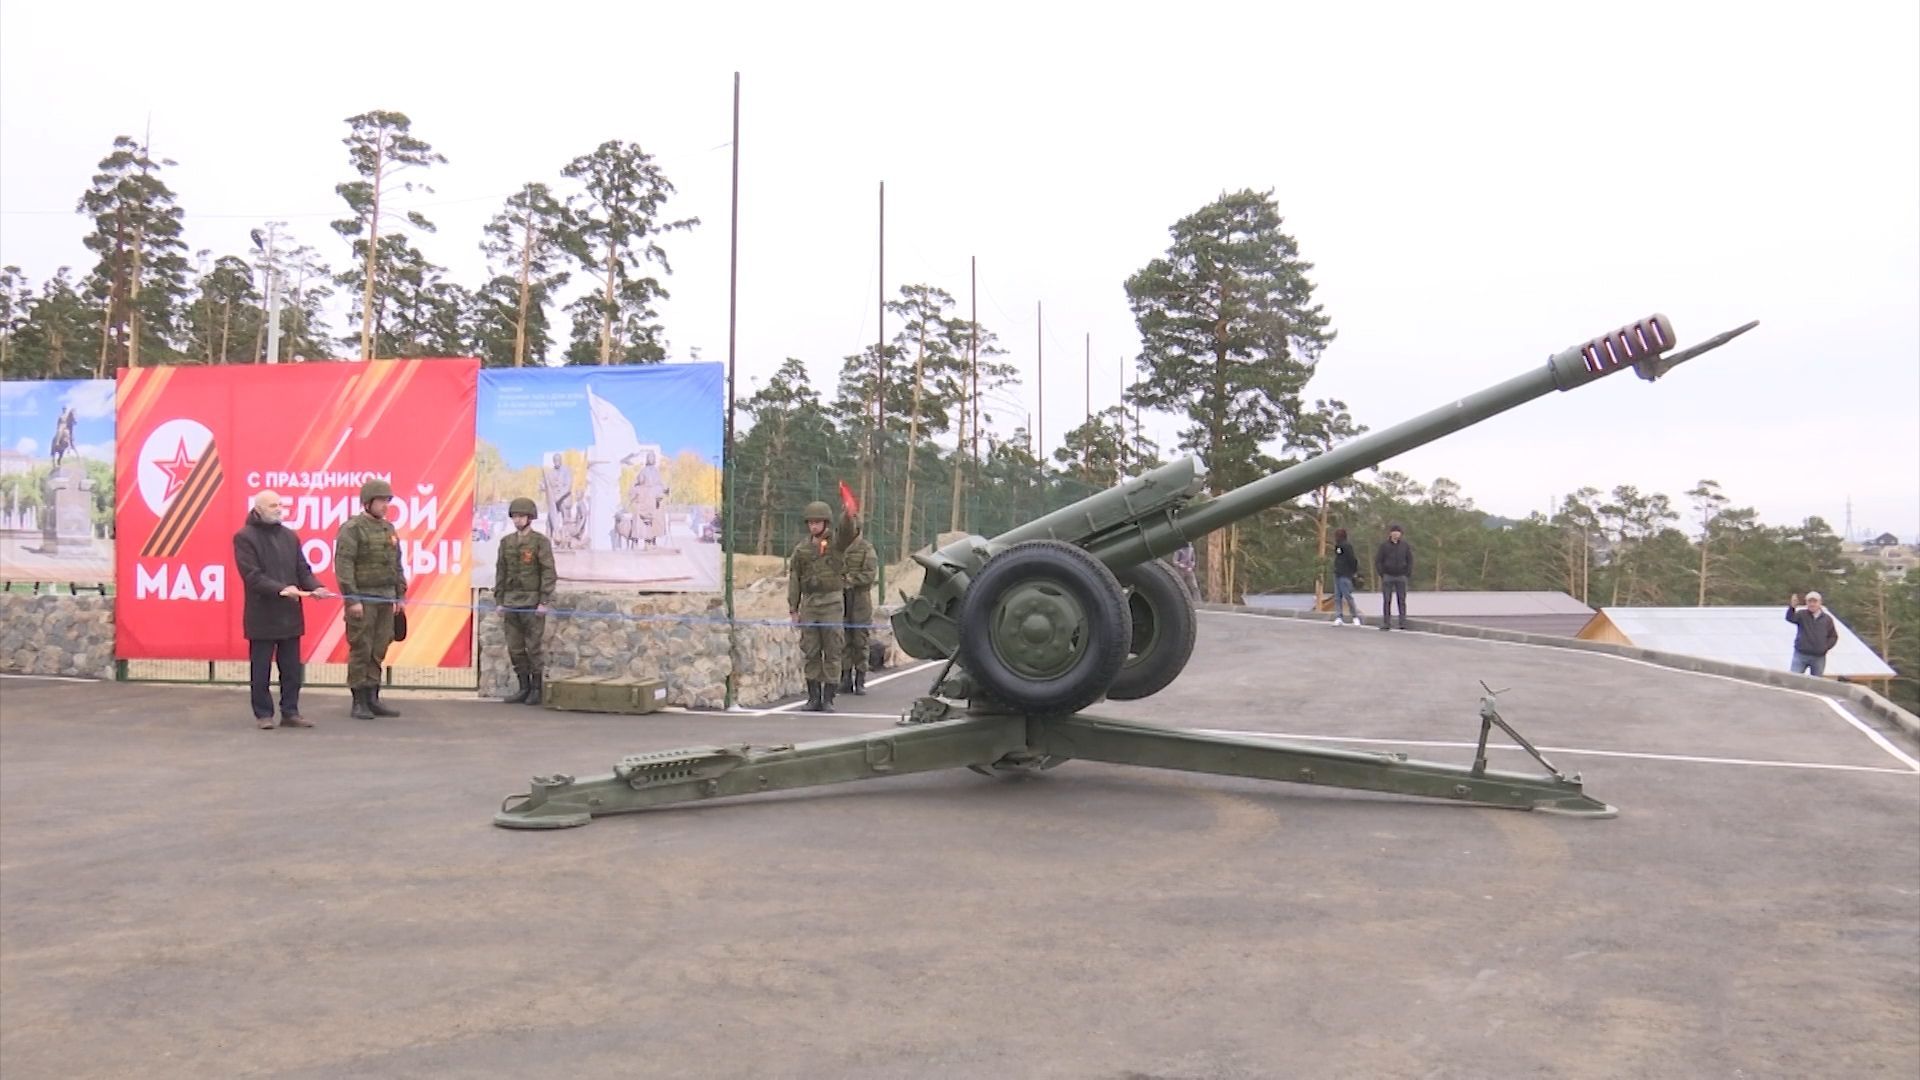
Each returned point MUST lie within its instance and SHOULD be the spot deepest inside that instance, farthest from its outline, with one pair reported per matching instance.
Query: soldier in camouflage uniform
(816, 600)
(366, 556)
(524, 578)
(859, 564)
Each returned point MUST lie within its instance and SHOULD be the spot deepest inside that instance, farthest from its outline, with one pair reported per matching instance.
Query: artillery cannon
(1042, 621)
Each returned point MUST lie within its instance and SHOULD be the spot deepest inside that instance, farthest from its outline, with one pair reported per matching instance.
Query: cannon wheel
(1163, 625)
(1044, 627)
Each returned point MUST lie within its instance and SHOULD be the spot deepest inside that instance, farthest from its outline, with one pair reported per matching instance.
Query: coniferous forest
(578, 260)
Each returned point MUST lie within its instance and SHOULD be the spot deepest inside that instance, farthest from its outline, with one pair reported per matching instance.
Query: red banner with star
(196, 444)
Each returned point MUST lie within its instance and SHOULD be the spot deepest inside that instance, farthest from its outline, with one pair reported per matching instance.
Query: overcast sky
(1478, 186)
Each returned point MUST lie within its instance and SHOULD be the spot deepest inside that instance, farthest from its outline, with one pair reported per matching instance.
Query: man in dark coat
(1393, 565)
(1815, 638)
(274, 576)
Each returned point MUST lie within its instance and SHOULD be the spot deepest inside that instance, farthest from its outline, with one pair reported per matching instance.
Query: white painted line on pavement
(769, 712)
(1869, 732)
(792, 705)
(1691, 759)
(1912, 765)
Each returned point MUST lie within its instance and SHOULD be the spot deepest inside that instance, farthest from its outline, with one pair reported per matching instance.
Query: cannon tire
(1163, 626)
(1044, 628)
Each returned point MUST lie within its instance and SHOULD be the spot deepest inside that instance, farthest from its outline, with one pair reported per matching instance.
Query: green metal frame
(932, 738)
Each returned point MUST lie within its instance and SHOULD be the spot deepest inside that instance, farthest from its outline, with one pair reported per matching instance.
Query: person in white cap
(1817, 636)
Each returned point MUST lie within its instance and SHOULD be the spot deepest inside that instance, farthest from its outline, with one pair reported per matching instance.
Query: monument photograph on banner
(623, 462)
(56, 481)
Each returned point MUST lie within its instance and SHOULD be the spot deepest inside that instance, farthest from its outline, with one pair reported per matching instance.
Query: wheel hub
(1041, 630)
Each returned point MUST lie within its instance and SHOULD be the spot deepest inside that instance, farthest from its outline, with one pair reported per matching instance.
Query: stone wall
(681, 639)
(54, 634)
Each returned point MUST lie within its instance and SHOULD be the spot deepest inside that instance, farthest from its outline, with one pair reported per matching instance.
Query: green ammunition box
(607, 694)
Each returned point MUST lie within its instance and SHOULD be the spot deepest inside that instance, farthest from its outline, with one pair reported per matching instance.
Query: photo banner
(56, 481)
(622, 463)
(196, 444)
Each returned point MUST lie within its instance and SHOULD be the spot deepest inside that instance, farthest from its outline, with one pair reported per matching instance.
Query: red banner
(195, 445)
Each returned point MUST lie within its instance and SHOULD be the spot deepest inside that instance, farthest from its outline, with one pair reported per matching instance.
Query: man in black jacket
(274, 575)
(1816, 637)
(1393, 565)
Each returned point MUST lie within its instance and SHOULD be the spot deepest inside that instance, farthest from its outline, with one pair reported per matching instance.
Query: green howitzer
(1042, 621)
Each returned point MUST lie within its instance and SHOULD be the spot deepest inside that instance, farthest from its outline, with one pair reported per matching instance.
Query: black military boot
(526, 687)
(538, 692)
(846, 681)
(813, 696)
(360, 709)
(373, 703)
(826, 696)
(860, 684)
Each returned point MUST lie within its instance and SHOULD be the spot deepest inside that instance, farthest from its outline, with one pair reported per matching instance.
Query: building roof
(1754, 636)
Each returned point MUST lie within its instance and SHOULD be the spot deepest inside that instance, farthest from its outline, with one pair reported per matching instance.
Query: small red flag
(847, 501)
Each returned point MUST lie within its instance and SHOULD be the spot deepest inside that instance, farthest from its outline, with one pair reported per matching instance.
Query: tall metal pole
(1040, 382)
(1087, 379)
(273, 299)
(880, 390)
(973, 350)
(732, 531)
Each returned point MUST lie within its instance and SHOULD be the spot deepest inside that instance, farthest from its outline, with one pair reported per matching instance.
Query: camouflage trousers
(859, 609)
(526, 638)
(821, 637)
(368, 635)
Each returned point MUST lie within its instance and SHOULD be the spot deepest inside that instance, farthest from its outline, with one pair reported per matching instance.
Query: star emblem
(177, 470)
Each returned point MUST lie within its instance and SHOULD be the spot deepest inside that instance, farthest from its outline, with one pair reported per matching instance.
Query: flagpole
(730, 534)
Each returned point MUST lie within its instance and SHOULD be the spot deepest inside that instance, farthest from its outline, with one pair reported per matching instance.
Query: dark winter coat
(1394, 560)
(1817, 634)
(1345, 563)
(269, 559)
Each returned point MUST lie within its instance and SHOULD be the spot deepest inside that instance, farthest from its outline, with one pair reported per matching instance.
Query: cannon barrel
(1033, 599)
(1639, 345)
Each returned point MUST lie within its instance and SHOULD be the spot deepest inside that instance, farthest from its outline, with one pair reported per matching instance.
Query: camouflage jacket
(860, 563)
(524, 575)
(817, 566)
(366, 558)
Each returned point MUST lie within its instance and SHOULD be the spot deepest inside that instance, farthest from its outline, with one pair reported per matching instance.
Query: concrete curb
(1874, 703)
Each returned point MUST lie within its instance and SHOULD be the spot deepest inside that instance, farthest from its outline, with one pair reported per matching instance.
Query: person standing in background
(816, 601)
(859, 566)
(1346, 571)
(524, 580)
(275, 576)
(1818, 633)
(366, 561)
(1393, 564)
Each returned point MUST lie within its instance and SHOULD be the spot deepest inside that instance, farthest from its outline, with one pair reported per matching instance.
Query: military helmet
(375, 488)
(818, 511)
(522, 505)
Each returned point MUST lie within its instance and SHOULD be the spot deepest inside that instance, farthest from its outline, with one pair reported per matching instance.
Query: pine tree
(789, 434)
(58, 338)
(141, 278)
(16, 296)
(1229, 336)
(380, 145)
(611, 231)
(523, 242)
(1708, 502)
(225, 319)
